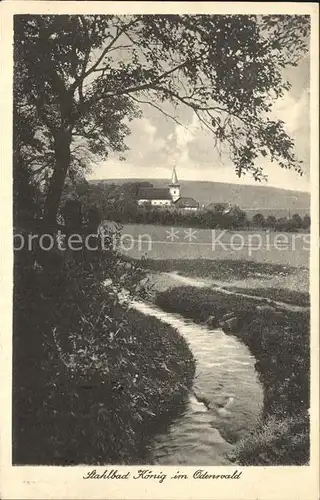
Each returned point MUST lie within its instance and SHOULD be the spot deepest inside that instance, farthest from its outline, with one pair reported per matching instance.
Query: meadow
(162, 243)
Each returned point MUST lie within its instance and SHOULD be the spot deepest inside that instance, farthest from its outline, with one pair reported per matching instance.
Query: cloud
(157, 143)
(144, 142)
(144, 129)
(294, 112)
(186, 134)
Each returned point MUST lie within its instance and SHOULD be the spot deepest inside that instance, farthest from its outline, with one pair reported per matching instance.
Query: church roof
(185, 202)
(154, 194)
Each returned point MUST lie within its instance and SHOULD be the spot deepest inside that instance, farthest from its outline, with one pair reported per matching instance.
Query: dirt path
(165, 280)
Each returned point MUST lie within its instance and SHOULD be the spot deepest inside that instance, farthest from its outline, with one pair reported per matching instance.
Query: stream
(226, 380)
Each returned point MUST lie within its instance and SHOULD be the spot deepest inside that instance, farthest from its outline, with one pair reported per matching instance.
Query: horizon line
(259, 185)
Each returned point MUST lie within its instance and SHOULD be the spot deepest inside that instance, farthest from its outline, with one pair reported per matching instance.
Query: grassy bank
(292, 297)
(272, 281)
(221, 270)
(279, 341)
(92, 379)
(250, 273)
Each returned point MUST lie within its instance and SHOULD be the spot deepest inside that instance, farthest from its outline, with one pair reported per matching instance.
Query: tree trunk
(62, 156)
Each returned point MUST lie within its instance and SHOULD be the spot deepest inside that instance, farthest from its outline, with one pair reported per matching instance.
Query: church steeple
(174, 185)
(174, 178)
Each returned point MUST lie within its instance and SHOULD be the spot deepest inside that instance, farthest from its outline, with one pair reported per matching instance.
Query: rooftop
(154, 194)
(185, 202)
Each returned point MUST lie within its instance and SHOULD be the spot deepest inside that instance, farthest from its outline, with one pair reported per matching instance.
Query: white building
(159, 197)
(165, 197)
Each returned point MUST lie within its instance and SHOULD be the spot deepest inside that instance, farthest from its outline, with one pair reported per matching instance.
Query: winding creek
(228, 384)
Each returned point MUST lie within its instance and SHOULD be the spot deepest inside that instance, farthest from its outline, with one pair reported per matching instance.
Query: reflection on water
(224, 405)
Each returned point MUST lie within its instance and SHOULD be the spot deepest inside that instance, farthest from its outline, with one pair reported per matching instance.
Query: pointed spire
(174, 178)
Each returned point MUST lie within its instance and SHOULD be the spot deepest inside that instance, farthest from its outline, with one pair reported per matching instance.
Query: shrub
(92, 377)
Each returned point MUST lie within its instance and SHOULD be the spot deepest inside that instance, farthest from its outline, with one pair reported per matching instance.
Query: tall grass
(222, 269)
(278, 441)
(292, 297)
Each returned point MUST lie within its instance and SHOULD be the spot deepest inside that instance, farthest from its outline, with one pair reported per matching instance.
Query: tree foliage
(306, 223)
(79, 80)
(258, 220)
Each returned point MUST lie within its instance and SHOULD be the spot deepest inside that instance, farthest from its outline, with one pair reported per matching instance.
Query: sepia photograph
(161, 192)
(161, 219)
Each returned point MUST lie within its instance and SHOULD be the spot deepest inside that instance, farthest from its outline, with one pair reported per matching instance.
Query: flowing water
(224, 404)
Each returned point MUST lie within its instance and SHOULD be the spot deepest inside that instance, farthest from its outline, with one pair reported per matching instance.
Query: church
(167, 197)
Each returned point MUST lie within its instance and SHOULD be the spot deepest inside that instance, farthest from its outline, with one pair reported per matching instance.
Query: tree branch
(192, 105)
(108, 47)
(174, 118)
(86, 58)
(42, 116)
(40, 169)
(150, 85)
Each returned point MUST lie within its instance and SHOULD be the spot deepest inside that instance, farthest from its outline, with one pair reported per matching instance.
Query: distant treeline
(119, 203)
(235, 219)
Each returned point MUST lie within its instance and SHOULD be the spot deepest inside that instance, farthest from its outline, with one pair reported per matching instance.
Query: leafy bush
(91, 376)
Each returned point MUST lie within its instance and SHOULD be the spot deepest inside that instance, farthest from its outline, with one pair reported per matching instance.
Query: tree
(296, 221)
(237, 217)
(270, 221)
(282, 224)
(306, 222)
(219, 208)
(80, 80)
(258, 220)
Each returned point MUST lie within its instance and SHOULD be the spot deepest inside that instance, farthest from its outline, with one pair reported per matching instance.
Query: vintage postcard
(160, 239)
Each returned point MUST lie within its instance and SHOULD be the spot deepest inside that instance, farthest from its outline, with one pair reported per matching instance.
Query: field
(162, 243)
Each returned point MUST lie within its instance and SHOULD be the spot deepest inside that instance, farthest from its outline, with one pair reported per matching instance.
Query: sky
(156, 143)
